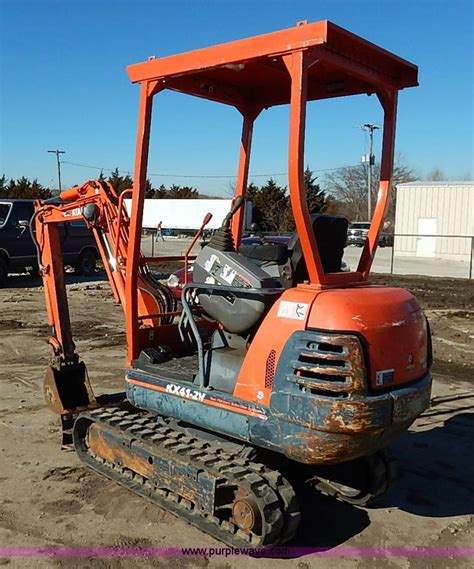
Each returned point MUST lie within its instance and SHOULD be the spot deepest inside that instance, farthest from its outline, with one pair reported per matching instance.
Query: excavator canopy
(251, 71)
(307, 62)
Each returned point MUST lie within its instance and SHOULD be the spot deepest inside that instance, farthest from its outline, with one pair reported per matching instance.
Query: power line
(189, 176)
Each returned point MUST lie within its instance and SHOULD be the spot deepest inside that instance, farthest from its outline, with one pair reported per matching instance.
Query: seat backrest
(330, 232)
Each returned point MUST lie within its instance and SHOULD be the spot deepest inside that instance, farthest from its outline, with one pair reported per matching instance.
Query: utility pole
(58, 152)
(370, 160)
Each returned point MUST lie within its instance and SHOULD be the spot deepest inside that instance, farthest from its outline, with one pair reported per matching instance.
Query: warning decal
(293, 310)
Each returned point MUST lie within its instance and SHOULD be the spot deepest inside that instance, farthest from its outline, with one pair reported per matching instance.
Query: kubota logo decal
(185, 392)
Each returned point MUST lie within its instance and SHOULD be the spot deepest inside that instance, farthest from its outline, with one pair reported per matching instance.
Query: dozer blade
(67, 389)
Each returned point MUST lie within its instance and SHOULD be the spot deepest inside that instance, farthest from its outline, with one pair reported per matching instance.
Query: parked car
(18, 252)
(176, 280)
(357, 234)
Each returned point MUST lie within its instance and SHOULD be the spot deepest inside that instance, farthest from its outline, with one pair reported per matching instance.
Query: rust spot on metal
(327, 448)
(340, 369)
(141, 458)
(351, 415)
(108, 449)
(246, 514)
(320, 448)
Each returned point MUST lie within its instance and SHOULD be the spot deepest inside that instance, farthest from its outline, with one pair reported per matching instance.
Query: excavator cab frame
(308, 62)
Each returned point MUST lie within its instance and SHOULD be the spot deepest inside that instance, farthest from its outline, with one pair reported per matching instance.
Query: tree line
(270, 202)
(121, 183)
(341, 192)
(23, 188)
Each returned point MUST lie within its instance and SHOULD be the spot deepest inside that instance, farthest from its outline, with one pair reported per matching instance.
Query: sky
(63, 85)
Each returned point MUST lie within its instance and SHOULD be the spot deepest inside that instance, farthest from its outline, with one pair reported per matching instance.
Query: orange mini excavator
(276, 362)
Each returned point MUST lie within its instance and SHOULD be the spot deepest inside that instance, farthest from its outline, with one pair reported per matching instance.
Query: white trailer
(183, 214)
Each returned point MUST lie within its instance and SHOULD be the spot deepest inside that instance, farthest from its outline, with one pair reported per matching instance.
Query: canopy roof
(252, 70)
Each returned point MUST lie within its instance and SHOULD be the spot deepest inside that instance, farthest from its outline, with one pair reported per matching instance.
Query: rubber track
(382, 470)
(273, 493)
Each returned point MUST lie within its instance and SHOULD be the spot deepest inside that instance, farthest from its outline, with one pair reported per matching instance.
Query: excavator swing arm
(67, 387)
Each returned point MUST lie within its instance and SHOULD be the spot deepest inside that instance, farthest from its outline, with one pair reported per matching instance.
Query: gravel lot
(49, 499)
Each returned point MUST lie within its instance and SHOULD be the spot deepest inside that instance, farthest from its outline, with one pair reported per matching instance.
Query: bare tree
(436, 175)
(348, 186)
(230, 189)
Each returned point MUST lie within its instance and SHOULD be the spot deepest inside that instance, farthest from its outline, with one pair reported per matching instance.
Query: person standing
(159, 232)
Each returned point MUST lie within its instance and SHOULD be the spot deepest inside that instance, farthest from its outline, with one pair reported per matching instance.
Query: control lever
(200, 231)
(238, 203)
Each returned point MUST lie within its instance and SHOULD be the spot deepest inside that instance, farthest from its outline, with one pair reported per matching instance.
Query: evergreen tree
(269, 205)
(149, 190)
(315, 196)
(253, 195)
(161, 192)
(120, 183)
(23, 189)
(182, 192)
(3, 185)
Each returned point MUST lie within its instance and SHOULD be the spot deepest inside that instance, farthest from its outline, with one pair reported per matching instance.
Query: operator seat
(266, 252)
(330, 232)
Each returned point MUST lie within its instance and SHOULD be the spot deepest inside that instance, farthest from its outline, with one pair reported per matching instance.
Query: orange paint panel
(389, 319)
(272, 334)
(263, 45)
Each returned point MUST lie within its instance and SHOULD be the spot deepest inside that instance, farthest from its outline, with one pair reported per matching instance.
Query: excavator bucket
(67, 389)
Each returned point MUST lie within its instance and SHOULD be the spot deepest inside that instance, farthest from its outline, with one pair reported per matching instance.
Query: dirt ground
(49, 499)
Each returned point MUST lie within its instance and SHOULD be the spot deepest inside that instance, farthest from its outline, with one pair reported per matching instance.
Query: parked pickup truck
(18, 252)
(358, 231)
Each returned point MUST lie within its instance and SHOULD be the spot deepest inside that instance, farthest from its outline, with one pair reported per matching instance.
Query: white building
(438, 217)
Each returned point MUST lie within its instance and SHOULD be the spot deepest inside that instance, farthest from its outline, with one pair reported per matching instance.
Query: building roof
(437, 183)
